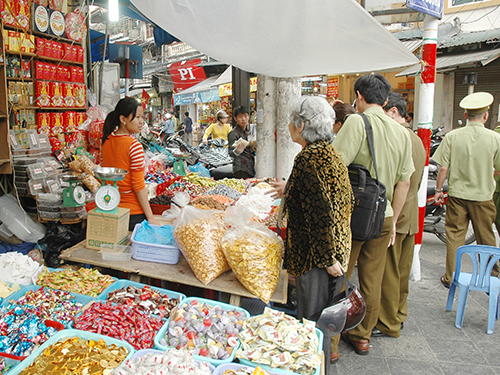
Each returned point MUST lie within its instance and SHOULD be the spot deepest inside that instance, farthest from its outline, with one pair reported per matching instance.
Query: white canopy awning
(282, 38)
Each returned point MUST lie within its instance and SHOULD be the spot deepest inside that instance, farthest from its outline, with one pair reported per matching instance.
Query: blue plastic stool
(483, 259)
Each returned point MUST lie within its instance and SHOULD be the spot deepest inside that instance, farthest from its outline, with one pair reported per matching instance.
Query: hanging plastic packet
(253, 252)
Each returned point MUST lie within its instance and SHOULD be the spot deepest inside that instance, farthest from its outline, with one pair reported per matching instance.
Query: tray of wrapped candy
(171, 362)
(21, 333)
(57, 305)
(125, 323)
(76, 352)
(280, 343)
(238, 369)
(152, 299)
(207, 329)
(86, 281)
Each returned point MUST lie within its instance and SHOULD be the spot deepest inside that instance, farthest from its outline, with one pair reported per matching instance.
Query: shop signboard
(431, 7)
(332, 87)
(197, 97)
(186, 74)
(227, 88)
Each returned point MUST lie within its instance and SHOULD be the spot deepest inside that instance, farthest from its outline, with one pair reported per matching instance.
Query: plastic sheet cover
(282, 38)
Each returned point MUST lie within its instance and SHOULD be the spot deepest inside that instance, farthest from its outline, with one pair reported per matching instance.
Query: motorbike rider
(168, 127)
(219, 129)
(467, 156)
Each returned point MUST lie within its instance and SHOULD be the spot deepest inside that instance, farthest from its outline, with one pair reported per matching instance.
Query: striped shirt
(125, 152)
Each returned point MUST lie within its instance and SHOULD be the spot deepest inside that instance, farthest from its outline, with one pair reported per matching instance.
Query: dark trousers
(395, 285)
(313, 295)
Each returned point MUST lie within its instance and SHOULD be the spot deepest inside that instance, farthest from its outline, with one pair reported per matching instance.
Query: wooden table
(177, 273)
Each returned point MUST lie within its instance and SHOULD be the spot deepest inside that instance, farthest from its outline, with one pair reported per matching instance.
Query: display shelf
(56, 38)
(58, 60)
(25, 54)
(55, 80)
(62, 221)
(23, 107)
(61, 108)
(19, 79)
(16, 28)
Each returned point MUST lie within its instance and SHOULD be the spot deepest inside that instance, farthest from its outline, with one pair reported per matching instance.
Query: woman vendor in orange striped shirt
(121, 150)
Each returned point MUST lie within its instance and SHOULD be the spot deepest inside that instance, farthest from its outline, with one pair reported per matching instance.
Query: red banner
(333, 87)
(144, 99)
(186, 74)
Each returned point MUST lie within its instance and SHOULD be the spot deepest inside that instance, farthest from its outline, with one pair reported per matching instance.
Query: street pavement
(430, 343)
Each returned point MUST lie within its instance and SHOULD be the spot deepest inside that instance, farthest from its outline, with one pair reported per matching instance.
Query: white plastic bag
(18, 222)
(253, 251)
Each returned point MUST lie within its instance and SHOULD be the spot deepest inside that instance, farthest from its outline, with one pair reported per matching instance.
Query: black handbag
(368, 214)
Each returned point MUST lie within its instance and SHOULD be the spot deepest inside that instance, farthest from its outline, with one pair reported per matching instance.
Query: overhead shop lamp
(114, 15)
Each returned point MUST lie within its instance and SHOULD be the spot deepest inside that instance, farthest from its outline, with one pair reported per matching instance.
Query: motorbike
(215, 155)
(435, 215)
(437, 136)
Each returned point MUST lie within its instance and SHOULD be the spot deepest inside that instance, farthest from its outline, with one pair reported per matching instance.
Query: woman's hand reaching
(279, 189)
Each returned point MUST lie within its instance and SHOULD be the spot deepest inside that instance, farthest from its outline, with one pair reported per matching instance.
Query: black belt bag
(370, 203)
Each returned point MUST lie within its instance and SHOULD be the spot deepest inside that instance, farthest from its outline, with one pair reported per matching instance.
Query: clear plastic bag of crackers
(253, 251)
(198, 234)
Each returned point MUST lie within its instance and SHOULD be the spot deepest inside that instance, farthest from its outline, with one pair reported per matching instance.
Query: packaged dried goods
(198, 233)
(280, 341)
(253, 252)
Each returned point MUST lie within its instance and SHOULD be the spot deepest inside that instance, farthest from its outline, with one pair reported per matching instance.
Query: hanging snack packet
(198, 234)
(253, 252)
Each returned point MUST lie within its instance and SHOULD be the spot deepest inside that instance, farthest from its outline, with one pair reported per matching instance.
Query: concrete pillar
(266, 126)
(288, 89)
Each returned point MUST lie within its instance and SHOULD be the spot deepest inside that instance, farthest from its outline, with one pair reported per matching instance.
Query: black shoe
(377, 333)
(402, 325)
(445, 284)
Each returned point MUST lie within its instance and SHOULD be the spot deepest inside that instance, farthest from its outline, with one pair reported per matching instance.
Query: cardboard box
(107, 228)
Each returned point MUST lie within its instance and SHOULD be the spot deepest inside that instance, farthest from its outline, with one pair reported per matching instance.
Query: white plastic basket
(153, 252)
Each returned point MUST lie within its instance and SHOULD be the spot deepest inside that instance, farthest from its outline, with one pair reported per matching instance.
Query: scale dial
(107, 198)
(79, 195)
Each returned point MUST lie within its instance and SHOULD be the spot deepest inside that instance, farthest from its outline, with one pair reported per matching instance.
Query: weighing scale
(74, 195)
(107, 197)
(180, 166)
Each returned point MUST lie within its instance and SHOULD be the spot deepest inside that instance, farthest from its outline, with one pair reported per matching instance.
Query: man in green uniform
(468, 156)
(393, 155)
(393, 305)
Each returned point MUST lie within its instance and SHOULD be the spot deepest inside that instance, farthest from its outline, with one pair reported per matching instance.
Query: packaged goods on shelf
(56, 23)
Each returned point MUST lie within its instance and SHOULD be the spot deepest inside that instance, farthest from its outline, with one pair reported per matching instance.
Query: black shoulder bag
(368, 214)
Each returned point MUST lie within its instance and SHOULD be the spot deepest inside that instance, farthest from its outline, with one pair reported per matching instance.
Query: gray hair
(317, 116)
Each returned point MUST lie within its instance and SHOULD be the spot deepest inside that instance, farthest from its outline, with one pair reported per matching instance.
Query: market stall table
(178, 273)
